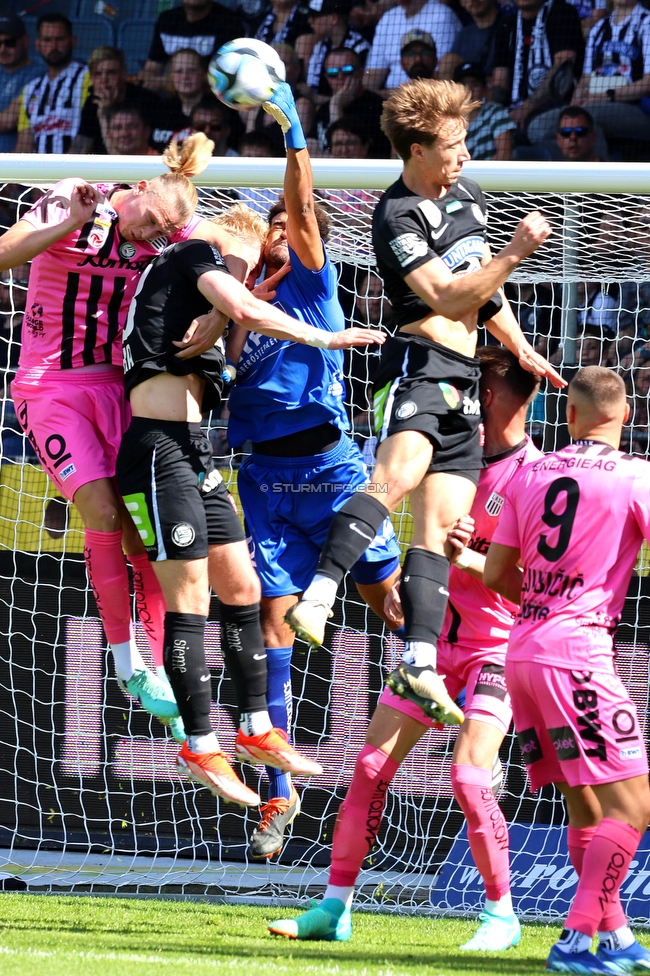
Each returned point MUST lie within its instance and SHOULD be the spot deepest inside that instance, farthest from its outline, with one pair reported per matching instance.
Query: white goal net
(89, 796)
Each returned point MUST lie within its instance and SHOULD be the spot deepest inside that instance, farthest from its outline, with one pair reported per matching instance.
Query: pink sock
(605, 865)
(578, 840)
(150, 602)
(360, 814)
(109, 579)
(487, 829)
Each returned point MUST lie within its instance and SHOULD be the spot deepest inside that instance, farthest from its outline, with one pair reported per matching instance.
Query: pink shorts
(75, 423)
(486, 697)
(575, 727)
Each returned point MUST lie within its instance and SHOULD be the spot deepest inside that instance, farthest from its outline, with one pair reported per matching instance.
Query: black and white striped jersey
(620, 50)
(51, 108)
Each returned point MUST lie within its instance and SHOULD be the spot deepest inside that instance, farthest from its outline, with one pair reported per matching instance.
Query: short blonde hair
(243, 223)
(190, 160)
(415, 112)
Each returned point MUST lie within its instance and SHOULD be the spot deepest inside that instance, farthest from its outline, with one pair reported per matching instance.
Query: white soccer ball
(245, 72)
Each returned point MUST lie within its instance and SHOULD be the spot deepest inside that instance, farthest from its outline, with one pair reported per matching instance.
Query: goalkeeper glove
(282, 107)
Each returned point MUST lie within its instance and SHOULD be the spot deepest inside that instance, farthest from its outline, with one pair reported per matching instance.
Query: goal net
(89, 796)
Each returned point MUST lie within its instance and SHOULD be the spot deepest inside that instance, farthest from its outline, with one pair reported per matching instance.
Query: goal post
(89, 799)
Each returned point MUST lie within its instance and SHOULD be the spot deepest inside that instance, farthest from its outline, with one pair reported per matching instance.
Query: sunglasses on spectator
(347, 69)
(578, 130)
(8, 41)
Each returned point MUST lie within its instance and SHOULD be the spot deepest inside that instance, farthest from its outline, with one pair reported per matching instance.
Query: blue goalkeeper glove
(282, 107)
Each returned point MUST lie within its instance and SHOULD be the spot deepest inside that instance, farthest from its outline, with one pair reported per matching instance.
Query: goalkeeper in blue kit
(288, 400)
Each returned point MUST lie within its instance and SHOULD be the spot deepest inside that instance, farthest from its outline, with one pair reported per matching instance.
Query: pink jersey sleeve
(640, 502)
(53, 207)
(186, 232)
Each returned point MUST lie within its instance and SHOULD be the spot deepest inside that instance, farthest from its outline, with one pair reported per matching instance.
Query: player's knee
(102, 517)
(248, 590)
(242, 590)
(99, 507)
(184, 584)
(188, 602)
(401, 482)
(276, 632)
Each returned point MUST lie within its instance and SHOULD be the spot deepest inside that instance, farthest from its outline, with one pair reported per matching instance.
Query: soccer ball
(245, 72)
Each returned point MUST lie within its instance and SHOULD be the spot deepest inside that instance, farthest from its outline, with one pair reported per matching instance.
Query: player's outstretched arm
(234, 252)
(22, 242)
(205, 330)
(237, 334)
(457, 296)
(506, 329)
(502, 572)
(303, 234)
(232, 298)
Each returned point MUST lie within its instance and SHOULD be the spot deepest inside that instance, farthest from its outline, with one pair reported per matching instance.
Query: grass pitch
(82, 936)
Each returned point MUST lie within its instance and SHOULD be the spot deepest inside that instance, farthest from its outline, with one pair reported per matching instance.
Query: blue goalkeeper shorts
(288, 507)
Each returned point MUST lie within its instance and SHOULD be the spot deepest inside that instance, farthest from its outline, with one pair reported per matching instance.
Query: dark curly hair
(322, 218)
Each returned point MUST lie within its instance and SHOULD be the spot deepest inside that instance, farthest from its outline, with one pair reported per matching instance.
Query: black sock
(424, 593)
(244, 653)
(186, 669)
(351, 531)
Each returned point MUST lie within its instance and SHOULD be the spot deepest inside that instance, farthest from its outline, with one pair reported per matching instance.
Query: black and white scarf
(266, 33)
(527, 78)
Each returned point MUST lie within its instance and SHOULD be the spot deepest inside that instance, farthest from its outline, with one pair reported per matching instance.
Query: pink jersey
(579, 517)
(81, 287)
(478, 619)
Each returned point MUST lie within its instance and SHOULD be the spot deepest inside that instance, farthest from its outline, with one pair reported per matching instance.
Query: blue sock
(280, 704)
(400, 632)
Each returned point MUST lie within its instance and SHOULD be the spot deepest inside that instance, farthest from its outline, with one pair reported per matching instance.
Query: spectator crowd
(554, 79)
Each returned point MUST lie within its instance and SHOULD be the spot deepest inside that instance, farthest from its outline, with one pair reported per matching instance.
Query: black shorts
(421, 385)
(176, 496)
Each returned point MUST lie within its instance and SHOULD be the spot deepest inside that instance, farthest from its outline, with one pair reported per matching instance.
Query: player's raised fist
(530, 233)
(83, 200)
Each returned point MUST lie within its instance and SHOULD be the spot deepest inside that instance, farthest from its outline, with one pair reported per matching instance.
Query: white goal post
(89, 799)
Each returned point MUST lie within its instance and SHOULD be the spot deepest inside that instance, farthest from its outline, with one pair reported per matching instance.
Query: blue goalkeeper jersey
(283, 387)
